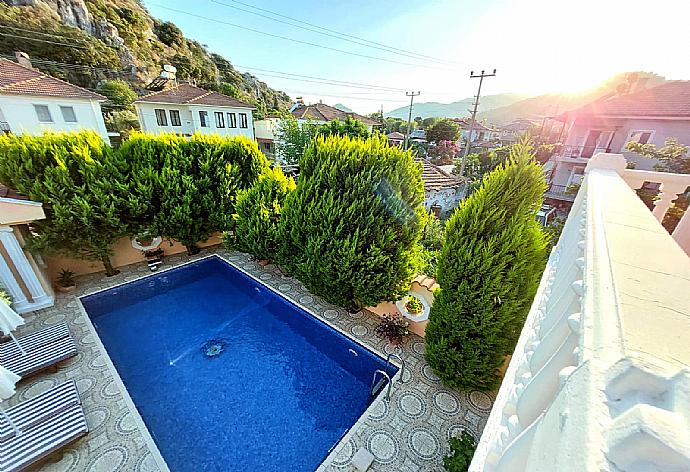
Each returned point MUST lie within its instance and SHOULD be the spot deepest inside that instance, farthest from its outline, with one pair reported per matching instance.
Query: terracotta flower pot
(68, 289)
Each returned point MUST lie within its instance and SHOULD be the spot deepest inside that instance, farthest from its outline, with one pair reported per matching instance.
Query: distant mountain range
(456, 109)
(503, 108)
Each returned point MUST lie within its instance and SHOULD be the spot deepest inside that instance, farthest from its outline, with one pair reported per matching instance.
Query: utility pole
(474, 117)
(409, 118)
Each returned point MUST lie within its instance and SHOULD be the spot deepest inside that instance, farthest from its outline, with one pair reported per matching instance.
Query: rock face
(74, 13)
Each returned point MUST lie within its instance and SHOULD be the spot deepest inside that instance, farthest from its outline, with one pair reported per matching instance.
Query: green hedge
(258, 215)
(350, 228)
(82, 183)
(489, 270)
(180, 188)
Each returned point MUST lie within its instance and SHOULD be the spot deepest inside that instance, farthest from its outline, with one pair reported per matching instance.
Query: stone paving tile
(407, 433)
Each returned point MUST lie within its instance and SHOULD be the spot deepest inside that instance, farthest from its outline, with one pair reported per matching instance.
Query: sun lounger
(36, 410)
(45, 429)
(34, 340)
(41, 358)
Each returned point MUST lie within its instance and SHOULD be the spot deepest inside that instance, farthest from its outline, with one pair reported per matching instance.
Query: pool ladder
(377, 386)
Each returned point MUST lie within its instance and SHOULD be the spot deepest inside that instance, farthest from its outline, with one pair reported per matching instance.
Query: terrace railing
(580, 151)
(600, 376)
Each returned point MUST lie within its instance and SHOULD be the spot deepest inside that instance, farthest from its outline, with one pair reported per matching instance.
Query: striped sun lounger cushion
(38, 409)
(34, 340)
(41, 358)
(43, 439)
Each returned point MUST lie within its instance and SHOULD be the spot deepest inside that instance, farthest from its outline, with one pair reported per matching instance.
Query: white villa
(646, 116)
(185, 109)
(32, 102)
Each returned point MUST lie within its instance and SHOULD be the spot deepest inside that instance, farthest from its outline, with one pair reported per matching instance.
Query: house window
(243, 120)
(175, 118)
(43, 113)
(203, 118)
(232, 120)
(642, 137)
(220, 123)
(161, 117)
(68, 114)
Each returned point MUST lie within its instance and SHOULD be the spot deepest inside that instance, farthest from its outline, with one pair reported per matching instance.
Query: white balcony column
(669, 192)
(682, 232)
(19, 300)
(39, 297)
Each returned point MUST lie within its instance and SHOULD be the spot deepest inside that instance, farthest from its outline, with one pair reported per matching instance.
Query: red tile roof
(671, 99)
(6, 192)
(436, 179)
(188, 94)
(16, 79)
(322, 112)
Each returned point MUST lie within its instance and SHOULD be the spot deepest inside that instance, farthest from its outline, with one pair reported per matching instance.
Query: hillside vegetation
(119, 39)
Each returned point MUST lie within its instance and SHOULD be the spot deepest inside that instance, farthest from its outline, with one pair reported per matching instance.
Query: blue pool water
(227, 374)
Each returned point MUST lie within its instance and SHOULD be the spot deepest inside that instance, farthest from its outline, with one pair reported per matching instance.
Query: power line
(286, 38)
(480, 76)
(344, 82)
(328, 29)
(69, 66)
(57, 35)
(43, 41)
(332, 33)
(318, 94)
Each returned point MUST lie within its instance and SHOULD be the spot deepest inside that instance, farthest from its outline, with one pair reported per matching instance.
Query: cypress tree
(489, 271)
(258, 215)
(350, 229)
(83, 186)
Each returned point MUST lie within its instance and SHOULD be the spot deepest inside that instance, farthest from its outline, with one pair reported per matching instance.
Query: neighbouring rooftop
(16, 79)
(436, 179)
(188, 94)
(323, 112)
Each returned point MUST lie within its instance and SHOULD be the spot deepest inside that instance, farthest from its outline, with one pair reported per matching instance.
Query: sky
(536, 46)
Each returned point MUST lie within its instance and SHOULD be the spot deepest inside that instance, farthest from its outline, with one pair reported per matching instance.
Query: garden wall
(123, 254)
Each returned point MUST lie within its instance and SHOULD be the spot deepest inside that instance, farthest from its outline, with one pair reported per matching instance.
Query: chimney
(23, 59)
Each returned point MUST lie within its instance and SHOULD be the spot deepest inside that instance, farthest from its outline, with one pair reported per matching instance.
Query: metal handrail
(402, 365)
(373, 383)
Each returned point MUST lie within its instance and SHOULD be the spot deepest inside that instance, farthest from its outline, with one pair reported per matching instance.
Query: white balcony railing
(600, 377)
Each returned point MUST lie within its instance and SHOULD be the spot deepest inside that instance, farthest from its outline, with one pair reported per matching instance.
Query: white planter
(155, 243)
(421, 316)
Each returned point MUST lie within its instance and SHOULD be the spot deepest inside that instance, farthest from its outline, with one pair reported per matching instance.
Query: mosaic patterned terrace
(407, 433)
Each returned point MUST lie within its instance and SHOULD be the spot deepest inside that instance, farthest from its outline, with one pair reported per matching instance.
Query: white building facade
(648, 117)
(186, 109)
(32, 103)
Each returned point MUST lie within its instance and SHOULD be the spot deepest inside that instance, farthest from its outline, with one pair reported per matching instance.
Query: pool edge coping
(141, 425)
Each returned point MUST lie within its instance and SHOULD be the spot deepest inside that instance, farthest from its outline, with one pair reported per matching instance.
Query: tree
(443, 152)
(480, 164)
(673, 156)
(489, 270)
(443, 130)
(169, 33)
(258, 214)
(350, 127)
(83, 185)
(123, 122)
(118, 92)
(427, 122)
(292, 138)
(351, 226)
(191, 184)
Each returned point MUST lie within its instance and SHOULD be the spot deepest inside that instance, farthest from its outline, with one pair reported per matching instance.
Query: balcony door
(597, 141)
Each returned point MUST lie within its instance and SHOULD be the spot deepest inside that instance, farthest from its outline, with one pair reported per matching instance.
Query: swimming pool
(227, 374)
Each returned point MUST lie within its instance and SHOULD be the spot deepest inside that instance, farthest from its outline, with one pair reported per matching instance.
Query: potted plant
(66, 282)
(146, 241)
(393, 327)
(414, 305)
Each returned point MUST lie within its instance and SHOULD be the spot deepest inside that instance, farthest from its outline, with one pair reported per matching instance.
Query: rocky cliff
(85, 41)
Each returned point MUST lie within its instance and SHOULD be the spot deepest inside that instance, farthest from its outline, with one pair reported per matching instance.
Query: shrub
(258, 214)
(350, 127)
(191, 183)
(118, 92)
(350, 228)
(489, 270)
(443, 130)
(83, 185)
(430, 246)
(461, 453)
(5, 297)
(393, 327)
